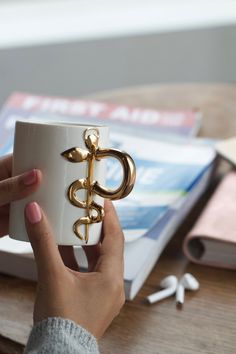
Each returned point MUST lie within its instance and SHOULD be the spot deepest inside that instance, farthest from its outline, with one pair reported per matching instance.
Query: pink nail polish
(30, 178)
(33, 213)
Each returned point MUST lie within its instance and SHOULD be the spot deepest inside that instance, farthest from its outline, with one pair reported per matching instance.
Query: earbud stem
(160, 295)
(180, 294)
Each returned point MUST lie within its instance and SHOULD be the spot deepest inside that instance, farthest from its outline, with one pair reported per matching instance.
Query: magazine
(145, 121)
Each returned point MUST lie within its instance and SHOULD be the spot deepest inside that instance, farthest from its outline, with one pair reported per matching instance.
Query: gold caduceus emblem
(94, 211)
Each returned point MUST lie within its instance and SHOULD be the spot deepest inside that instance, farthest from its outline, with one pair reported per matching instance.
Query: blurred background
(73, 48)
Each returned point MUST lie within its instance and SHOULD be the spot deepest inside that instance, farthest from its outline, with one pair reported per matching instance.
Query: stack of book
(173, 171)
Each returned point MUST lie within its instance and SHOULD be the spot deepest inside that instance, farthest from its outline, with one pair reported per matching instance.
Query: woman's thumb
(47, 256)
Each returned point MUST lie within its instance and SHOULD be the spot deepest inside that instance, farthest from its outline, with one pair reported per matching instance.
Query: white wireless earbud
(169, 285)
(186, 282)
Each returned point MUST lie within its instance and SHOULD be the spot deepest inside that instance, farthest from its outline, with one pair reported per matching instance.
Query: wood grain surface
(207, 322)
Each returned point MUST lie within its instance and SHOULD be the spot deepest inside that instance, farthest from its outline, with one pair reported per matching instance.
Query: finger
(112, 246)
(92, 254)
(47, 256)
(19, 187)
(5, 166)
(68, 257)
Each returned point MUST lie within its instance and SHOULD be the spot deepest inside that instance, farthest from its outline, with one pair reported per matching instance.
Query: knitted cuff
(59, 335)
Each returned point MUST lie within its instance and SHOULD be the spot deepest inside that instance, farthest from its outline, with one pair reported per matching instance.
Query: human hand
(92, 299)
(14, 188)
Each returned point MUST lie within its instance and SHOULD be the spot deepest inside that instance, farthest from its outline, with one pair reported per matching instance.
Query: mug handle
(129, 175)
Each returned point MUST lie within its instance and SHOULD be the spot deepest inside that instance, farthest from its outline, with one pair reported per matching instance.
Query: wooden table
(207, 323)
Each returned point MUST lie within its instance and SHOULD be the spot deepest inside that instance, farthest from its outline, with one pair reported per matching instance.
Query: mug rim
(60, 124)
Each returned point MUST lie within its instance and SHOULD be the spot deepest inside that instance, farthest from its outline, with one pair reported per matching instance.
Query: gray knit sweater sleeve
(60, 336)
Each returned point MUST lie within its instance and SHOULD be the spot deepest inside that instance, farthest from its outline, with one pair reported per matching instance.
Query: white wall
(201, 52)
(37, 22)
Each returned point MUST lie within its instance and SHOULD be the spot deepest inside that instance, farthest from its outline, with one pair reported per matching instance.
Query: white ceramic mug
(72, 158)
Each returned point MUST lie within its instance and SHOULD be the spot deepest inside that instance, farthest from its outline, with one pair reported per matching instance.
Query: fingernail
(33, 213)
(30, 178)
